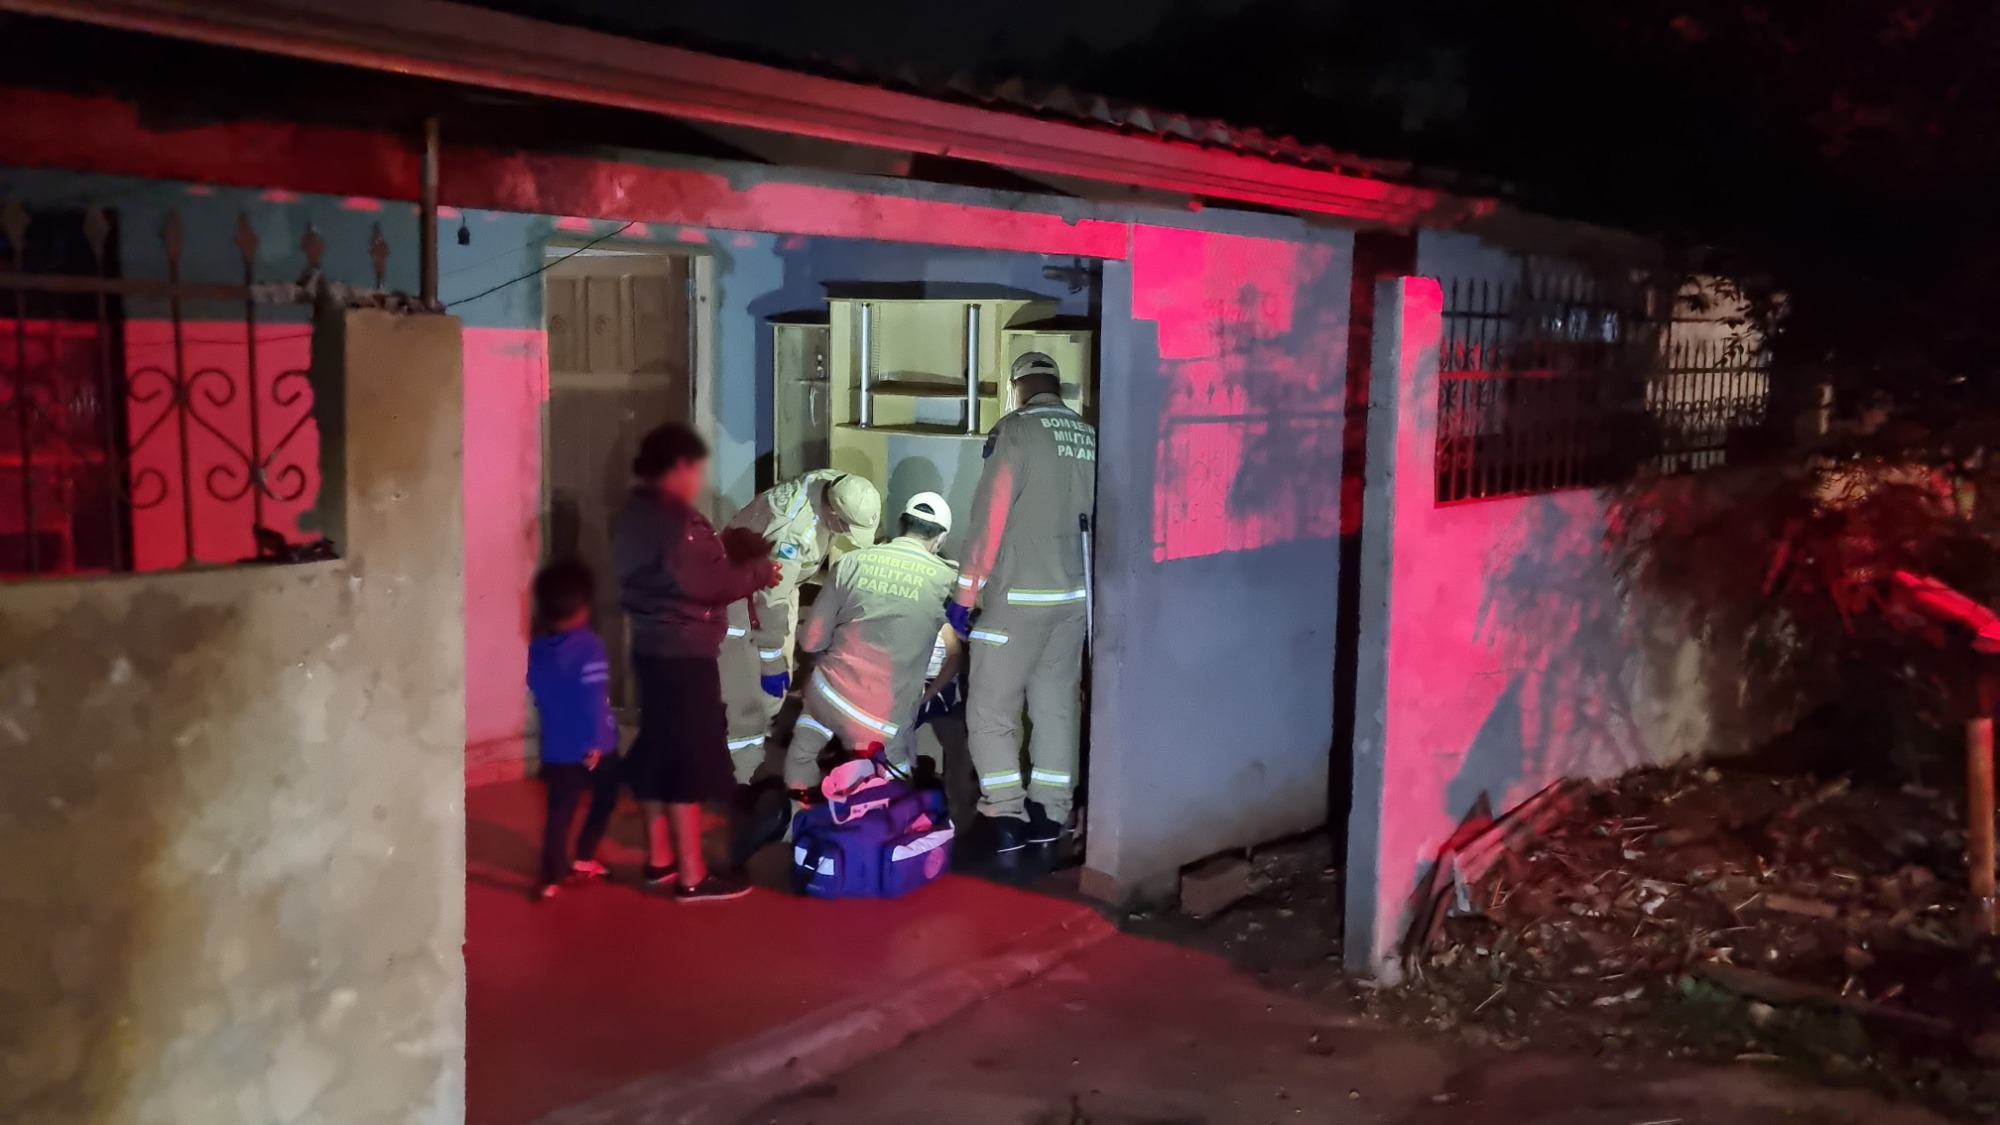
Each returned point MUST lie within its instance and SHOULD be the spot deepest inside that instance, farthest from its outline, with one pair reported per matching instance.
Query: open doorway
(901, 383)
(621, 361)
(739, 339)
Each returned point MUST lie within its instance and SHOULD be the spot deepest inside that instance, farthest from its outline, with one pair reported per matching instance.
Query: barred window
(1563, 380)
(61, 509)
(155, 422)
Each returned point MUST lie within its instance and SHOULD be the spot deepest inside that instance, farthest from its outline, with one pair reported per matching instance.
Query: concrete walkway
(968, 1003)
(609, 1006)
(1135, 1032)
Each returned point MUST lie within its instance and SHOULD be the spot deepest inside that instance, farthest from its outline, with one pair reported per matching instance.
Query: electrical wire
(544, 267)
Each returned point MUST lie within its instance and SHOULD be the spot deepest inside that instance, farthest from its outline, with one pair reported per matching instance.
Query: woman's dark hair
(918, 527)
(666, 448)
(561, 589)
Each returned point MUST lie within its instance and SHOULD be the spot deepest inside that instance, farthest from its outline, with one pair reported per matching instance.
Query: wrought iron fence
(1564, 381)
(133, 435)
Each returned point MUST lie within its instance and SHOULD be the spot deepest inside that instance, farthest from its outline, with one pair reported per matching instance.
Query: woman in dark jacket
(675, 583)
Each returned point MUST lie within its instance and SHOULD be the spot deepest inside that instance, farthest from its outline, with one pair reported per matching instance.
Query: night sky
(926, 33)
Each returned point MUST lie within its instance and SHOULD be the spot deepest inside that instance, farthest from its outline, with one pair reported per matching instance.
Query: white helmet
(931, 508)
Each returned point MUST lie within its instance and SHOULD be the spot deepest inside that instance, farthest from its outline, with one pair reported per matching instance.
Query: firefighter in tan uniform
(800, 519)
(1024, 569)
(873, 630)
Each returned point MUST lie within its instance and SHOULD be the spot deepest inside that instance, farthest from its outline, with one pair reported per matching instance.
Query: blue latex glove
(960, 617)
(774, 685)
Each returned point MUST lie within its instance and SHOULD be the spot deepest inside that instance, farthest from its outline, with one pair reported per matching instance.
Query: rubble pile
(1676, 888)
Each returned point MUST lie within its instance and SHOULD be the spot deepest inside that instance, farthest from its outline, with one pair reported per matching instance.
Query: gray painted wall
(232, 806)
(1217, 506)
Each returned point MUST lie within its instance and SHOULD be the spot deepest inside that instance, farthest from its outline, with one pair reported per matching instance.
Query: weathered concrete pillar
(1399, 481)
(232, 805)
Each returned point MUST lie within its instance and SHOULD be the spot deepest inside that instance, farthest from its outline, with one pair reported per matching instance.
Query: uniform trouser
(750, 711)
(820, 722)
(1032, 656)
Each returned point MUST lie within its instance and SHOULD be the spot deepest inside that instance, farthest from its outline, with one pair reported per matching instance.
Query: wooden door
(619, 364)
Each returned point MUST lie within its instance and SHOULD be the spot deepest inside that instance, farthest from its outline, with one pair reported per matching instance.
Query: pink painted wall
(506, 389)
(1506, 656)
(1251, 421)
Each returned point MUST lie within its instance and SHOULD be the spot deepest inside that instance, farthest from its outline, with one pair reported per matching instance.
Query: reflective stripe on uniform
(812, 724)
(746, 743)
(1043, 597)
(735, 632)
(988, 636)
(1048, 777)
(771, 653)
(1002, 779)
(886, 729)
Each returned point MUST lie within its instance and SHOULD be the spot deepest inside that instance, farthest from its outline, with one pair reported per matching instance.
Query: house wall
(490, 280)
(1499, 651)
(756, 274)
(232, 808)
(1218, 508)
(1220, 387)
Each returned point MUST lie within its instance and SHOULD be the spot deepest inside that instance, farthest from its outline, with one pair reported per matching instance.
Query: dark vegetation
(1841, 153)
(1833, 158)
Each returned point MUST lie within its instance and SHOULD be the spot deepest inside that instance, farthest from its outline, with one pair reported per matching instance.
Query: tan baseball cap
(855, 500)
(1035, 363)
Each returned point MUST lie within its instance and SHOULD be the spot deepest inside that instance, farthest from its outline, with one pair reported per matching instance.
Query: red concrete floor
(605, 985)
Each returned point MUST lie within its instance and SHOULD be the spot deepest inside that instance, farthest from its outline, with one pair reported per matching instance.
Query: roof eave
(476, 47)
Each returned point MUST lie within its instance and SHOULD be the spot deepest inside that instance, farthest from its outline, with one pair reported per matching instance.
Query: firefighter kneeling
(872, 630)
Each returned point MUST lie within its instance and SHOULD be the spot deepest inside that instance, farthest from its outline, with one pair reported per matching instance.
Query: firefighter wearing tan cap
(799, 519)
(872, 631)
(1024, 570)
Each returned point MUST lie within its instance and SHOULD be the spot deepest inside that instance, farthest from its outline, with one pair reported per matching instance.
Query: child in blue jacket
(570, 679)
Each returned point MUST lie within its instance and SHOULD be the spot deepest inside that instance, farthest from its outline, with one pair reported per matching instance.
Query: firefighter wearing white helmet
(1024, 570)
(800, 519)
(872, 631)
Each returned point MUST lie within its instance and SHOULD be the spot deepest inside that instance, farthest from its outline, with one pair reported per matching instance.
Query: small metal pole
(1979, 822)
(867, 365)
(427, 217)
(972, 369)
(1089, 588)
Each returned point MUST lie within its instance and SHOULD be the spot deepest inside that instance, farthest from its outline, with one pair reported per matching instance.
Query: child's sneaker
(661, 878)
(716, 888)
(587, 869)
